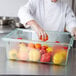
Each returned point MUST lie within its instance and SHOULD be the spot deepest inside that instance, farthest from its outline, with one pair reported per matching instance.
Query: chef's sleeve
(70, 19)
(26, 12)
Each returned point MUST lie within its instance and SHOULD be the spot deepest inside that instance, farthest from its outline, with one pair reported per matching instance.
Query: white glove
(73, 33)
(40, 31)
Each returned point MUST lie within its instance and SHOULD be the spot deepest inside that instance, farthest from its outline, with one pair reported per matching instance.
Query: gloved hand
(74, 32)
(40, 31)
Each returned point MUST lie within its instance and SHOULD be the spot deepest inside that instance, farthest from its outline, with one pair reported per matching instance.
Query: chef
(52, 15)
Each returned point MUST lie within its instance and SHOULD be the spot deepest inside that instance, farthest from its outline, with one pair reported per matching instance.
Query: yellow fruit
(13, 54)
(23, 52)
(64, 53)
(49, 49)
(58, 58)
(22, 55)
(22, 47)
(22, 44)
(34, 55)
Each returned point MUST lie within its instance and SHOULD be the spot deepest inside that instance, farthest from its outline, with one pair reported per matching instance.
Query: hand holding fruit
(44, 37)
(39, 30)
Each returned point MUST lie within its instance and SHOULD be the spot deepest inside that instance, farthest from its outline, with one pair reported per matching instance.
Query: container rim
(6, 38)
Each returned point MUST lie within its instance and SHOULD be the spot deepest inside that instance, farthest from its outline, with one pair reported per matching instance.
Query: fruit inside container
(37, 52)
(24, 45)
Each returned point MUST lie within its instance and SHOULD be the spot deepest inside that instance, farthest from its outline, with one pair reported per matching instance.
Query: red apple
(46, 57)
(44, 47)
(42, 51)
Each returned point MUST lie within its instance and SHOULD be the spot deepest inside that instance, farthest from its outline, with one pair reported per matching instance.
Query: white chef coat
(49, 15)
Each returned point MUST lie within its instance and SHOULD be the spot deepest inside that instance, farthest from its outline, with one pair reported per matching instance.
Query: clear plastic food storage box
(24, 45)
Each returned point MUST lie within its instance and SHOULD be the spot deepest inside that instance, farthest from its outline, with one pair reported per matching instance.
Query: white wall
(11, 7)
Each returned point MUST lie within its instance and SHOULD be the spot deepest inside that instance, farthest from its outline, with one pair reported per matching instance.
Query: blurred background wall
(10, 7)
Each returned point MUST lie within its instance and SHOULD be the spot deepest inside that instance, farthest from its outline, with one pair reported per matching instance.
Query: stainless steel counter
(26, 68)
